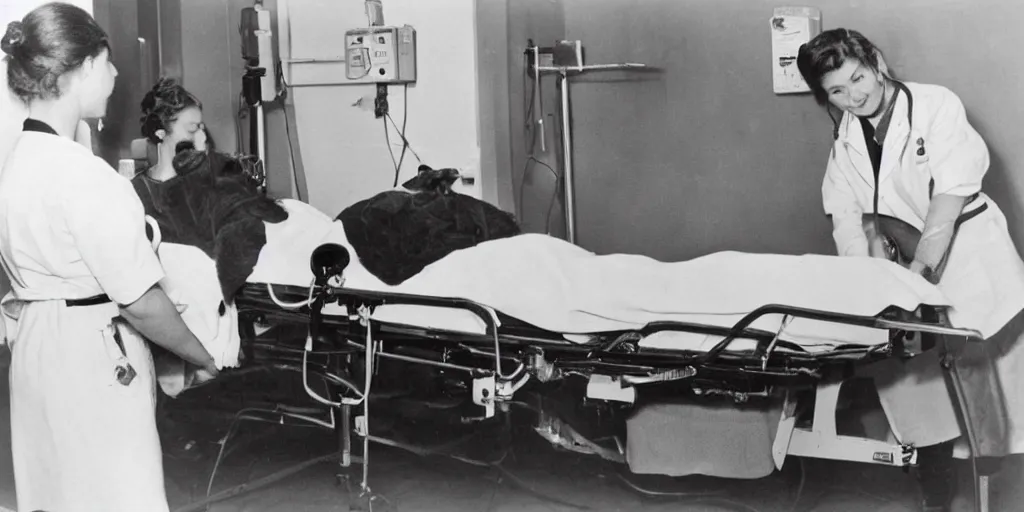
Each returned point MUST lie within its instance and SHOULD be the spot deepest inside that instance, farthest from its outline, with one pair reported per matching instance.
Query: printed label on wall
(790, 28)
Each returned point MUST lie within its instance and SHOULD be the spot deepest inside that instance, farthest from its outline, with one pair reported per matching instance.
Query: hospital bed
(344, 334)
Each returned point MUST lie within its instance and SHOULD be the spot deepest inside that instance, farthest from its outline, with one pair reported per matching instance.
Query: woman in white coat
(72, 242)
(906, 150)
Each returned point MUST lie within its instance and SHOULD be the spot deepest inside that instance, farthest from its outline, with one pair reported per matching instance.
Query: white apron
(72, 228)
(81, 441)
(984, 278)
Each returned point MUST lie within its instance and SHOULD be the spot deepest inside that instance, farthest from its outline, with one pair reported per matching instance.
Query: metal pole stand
(252, 92)
(567, 61)
(950, 357)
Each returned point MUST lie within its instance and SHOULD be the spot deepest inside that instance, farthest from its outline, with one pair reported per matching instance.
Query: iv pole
(570, 51)
(256, 87)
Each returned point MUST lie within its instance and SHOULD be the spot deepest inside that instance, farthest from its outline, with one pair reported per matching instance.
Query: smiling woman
(907, 150)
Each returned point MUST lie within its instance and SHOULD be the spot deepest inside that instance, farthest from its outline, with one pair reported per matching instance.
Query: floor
(531, 475)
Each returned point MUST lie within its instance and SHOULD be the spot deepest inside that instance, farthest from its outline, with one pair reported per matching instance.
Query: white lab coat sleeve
(841, 204)
(957, 155)
(938, 229)
(107, 221)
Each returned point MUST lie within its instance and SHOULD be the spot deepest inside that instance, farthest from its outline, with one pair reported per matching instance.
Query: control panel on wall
(380, 55)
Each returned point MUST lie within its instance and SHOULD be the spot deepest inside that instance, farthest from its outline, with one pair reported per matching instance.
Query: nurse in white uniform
(909, 148)
(72, 241)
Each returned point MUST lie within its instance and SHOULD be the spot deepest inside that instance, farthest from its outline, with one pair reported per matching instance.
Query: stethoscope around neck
(921, 152)
(900, 86)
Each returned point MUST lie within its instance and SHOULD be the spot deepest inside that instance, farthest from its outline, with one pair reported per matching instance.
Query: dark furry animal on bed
(396, 233)
(213, 205)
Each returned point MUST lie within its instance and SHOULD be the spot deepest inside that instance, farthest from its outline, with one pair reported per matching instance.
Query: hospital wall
(705, 157)
(344, 150)
(535, 160)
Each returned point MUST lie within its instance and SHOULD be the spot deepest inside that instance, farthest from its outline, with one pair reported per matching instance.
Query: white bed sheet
(565, 289)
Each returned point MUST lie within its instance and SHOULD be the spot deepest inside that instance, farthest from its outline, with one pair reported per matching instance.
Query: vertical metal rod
(145, 66)
(343, 426)
(539, 95)
(344, 431)
(570, 199)
(983, 493)
(159, 38)
(261, 135)
(368, 368)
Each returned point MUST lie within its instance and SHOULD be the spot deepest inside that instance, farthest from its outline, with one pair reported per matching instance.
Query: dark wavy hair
(828, 51)
(52, 40)
(162, 105)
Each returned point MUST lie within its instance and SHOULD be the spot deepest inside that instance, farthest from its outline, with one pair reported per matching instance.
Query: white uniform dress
(72, 228)
(984, 277)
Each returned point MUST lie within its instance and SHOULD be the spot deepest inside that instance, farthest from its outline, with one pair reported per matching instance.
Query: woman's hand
(877, 248)
(199, 140)
(917, 267)
(207, 373)
(925, 271)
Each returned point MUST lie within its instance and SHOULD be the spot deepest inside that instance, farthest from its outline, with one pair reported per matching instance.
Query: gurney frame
(510, 353)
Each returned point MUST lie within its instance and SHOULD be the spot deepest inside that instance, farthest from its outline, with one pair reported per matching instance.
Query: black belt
(123, 372)
(971, 214)
(95, 300)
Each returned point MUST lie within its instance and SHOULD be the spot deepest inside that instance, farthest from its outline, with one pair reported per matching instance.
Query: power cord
(282, 96)
(405, 119)
(530, 144)
(401, 133)
(387, 141)
(407, 144)
(241, 115)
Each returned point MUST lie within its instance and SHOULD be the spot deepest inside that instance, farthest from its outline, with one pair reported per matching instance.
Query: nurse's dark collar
(35, 125)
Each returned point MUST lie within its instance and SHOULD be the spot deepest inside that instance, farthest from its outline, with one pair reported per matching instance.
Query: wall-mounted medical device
(258, 52)
(790, 28)
(382, 55)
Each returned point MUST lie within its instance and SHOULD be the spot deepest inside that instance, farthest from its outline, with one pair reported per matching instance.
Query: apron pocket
(121, 368)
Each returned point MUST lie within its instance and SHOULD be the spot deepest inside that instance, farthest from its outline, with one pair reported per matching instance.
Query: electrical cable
(554, 194)
(688, 496)
(535, 493)
(387, 142)
(292, 305)
(401, 133)
(405, 119)
(528, 140)
(288, 130)
(530, 143)
(260, 483)
(240, 115)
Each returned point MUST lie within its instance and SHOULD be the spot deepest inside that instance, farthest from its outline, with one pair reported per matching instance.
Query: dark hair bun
(50, 41)
(13, 38)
